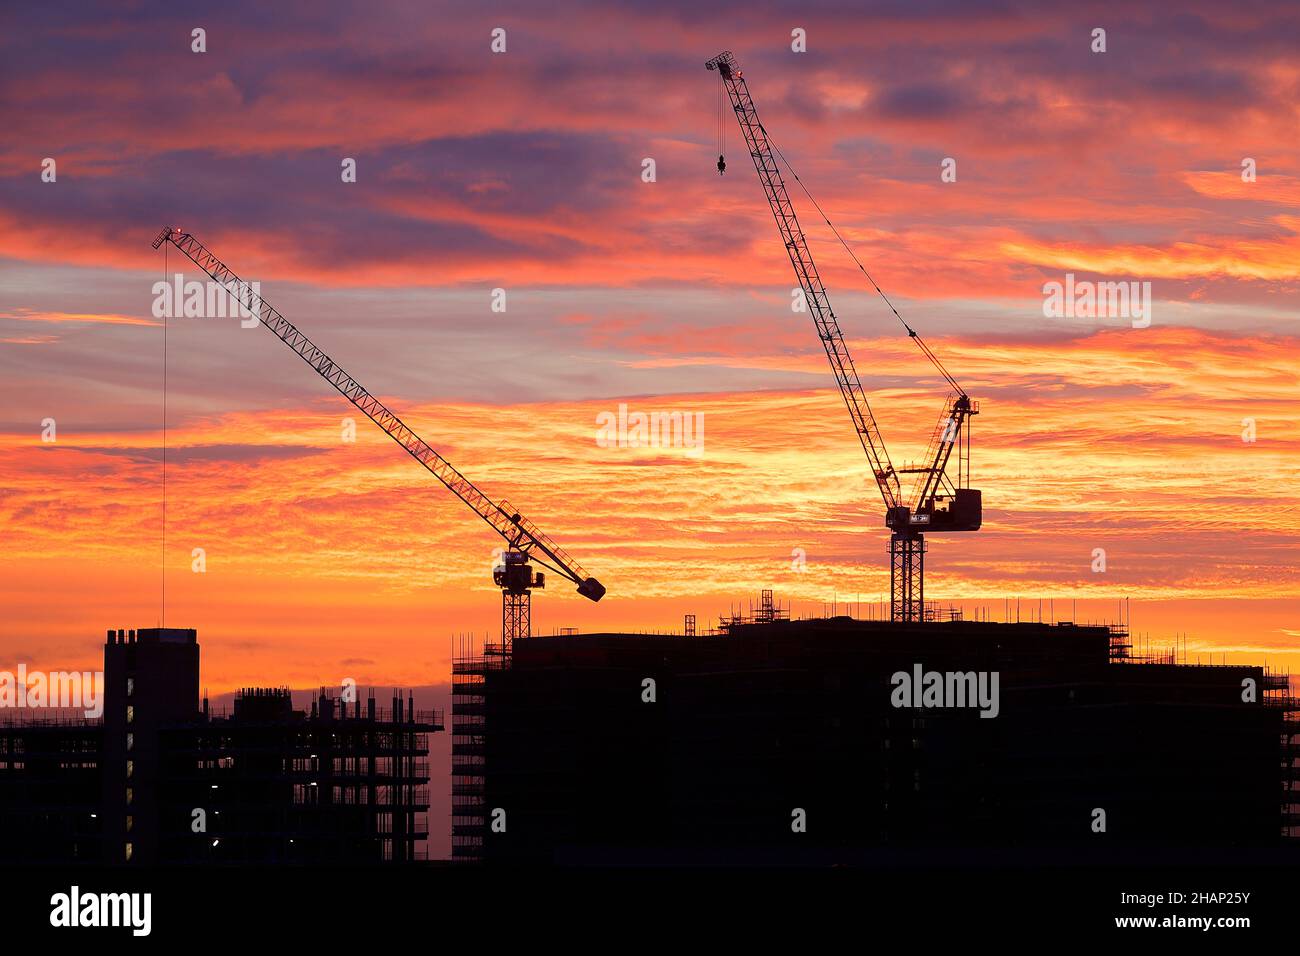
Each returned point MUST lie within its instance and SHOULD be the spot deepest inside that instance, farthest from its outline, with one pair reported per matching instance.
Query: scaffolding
(469, 670)
(768, 611)
(1276, 693)
(346, 780)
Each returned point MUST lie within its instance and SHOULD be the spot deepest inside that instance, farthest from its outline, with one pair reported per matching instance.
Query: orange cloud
(108, 318)
(1131, 441)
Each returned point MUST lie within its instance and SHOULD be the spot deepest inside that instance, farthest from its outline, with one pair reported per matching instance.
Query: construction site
(163, 778)
(776, 741)
(766, 717)
(762, 740)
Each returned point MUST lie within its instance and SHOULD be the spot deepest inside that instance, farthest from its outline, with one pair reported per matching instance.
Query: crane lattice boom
(521, 534)
(828, 328)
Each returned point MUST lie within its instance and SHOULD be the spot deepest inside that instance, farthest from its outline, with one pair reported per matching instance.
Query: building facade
(820, 742)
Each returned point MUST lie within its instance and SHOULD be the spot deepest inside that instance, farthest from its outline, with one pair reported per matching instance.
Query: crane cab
(513, 573)
(963, 511)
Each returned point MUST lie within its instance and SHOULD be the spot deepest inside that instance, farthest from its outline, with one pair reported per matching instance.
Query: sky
(525, 171)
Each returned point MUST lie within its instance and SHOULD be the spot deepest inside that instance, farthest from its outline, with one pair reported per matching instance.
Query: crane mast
(937, 502)
(514, 574)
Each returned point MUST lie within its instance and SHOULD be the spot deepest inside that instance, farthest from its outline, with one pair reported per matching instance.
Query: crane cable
(722, 136)
(162, 599)
(925, 349)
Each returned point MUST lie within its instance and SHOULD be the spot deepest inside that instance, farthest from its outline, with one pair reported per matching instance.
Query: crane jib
(805, 268)
(519, 532)
(934, 485)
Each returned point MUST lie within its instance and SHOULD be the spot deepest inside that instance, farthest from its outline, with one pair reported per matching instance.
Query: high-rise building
(151, 681)
(845, 741)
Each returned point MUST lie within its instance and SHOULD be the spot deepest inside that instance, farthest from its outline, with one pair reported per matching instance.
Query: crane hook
(722, 165)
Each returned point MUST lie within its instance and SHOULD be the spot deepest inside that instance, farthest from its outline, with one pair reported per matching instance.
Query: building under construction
(774, 741)
(164, 778)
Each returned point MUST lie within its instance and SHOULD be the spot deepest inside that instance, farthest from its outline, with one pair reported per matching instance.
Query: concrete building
(779, 741)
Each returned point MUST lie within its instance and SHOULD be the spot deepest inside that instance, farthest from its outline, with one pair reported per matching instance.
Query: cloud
(192, 454)
(523, 172)
(27, 315)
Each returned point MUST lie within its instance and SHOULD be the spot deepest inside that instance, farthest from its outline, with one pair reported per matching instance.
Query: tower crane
(937, 501)
(526, 543)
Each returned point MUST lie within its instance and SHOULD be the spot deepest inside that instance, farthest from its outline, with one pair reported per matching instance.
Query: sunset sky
(523, 171)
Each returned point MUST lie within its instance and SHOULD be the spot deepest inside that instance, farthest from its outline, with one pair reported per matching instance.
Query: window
(130, 847)
(130, 686)
(130, 796)
(130, 713)
(130, 824)
(130, 769)
(130, 741)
